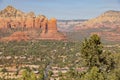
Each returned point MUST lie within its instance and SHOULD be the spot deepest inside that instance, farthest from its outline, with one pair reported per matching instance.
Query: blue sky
(64, 9)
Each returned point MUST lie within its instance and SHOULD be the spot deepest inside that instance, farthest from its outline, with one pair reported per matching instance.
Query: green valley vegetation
(63, 60)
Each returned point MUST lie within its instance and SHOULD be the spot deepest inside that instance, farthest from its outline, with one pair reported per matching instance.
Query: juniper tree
(93, 54)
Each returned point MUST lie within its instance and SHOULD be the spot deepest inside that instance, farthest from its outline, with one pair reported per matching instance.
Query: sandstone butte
(11, 18)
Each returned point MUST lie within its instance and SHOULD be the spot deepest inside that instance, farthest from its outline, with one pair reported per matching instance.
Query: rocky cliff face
(11, 18)
(50, 31)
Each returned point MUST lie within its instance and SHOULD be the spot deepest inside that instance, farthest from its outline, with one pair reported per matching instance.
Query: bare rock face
(44, 25)
(30, 14)
(52, 25)
(50, 31)
(10, 11)
(11, 18)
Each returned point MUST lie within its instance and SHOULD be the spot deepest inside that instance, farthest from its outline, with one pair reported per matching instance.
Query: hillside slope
(106, 25)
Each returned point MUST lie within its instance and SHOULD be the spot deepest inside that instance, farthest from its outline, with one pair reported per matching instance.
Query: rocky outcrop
(10, 11)
(52, 25)
(50, 31)
(11, 18)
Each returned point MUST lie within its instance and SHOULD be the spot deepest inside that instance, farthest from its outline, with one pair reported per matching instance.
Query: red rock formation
(29, 23)
(12, 18)
(44, 25)
(52, 25)
(51, 32)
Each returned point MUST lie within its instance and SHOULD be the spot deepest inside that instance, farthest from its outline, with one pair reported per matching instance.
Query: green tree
(93, 74)
(114, 75)
(91, 50)
(93, 54)
(28, 75)
(33, 76)
(41, 75)
(25, 75)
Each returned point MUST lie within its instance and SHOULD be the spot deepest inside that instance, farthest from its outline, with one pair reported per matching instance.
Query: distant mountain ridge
(108, 19)
(107, 25)
(69, 25)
